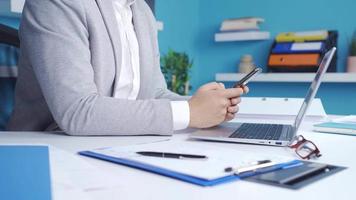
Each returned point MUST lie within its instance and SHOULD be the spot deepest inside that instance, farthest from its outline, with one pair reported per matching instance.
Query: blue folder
(286, 47)
(184, 177)
(24, 173)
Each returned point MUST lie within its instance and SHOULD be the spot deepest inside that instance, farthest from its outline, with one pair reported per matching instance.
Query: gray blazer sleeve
(54, 35)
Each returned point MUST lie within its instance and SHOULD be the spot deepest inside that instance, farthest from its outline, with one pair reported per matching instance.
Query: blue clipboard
(184, 177)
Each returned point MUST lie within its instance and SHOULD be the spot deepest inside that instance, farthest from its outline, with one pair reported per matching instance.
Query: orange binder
(294, 60)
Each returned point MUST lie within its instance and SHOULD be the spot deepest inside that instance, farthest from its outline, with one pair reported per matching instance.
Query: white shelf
(241, 36)
(289, 77)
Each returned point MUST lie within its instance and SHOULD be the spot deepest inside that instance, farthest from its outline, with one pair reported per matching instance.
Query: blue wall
(7, 84)
(181, 27)
(10, 21)
(6, 16)
(5, 10)
(198, 24)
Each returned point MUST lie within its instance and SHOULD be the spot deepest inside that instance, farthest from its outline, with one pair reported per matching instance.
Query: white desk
(136, 184)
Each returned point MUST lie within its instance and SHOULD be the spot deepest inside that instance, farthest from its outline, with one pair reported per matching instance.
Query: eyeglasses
(305, 149)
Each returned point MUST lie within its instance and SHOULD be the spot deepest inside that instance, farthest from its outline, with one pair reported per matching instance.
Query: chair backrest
(9, 44)
(9, 35)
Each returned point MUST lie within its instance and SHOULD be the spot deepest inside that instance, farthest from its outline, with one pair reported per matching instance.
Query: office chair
(9, 37)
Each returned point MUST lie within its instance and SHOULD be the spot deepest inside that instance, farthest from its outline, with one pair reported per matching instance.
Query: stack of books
(241, 29)
(301, 51)
(344, 126)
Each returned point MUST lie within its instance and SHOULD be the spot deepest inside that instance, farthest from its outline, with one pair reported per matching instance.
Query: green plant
(353, 45)
(176, 69)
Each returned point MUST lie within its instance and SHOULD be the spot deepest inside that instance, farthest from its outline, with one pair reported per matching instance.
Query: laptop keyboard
(258, 131)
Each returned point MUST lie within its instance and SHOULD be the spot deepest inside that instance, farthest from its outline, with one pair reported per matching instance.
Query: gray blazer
(70, 51)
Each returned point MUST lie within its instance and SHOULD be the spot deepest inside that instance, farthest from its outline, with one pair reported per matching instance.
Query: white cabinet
(289, 77)
(17, 5)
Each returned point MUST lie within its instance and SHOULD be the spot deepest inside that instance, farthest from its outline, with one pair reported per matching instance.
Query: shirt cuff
(180, 114)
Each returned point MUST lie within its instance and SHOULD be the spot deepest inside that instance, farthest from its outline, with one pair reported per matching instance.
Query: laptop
(267, 134)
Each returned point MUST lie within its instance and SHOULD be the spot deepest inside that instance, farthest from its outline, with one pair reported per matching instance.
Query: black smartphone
(248, 77)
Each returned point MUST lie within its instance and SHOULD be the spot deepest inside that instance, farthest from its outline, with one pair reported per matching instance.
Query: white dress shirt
(128, 84)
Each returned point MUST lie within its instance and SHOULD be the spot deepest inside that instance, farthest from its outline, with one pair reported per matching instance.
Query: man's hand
(213, 104)
(234, 108)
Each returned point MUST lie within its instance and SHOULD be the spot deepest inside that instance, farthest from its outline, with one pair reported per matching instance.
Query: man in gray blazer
(91, 67)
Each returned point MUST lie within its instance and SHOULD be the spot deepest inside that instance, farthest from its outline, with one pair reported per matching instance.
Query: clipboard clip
(253, 167)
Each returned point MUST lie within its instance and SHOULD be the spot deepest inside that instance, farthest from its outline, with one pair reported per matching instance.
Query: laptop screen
(314, 87)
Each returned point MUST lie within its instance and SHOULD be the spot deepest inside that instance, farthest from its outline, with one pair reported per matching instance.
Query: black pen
(171, 155)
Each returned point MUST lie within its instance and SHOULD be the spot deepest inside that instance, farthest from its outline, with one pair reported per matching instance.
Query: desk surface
(136, 184)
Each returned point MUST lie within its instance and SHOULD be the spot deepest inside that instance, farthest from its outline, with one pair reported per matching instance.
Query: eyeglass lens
(297, 141)
(306, 149)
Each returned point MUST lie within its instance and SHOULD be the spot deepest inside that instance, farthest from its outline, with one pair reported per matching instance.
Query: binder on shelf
(207, 172)
(294, 60)
(302, 36)
(290, 48)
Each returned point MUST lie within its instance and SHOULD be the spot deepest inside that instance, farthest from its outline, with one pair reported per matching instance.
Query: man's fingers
(222, 85)
(235, 101)
(229, 117)
(232, 92)
(212, 86)
(245, 89)
(233, 109)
